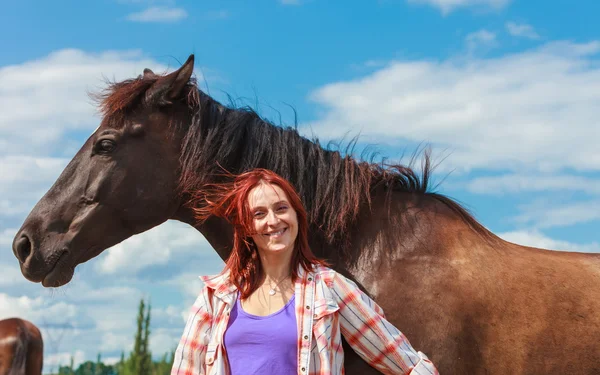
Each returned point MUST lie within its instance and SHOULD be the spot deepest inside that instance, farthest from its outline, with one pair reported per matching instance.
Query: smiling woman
(236, 327)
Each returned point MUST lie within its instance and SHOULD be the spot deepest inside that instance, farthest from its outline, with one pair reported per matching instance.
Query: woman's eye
(258, 214)
(282, 208)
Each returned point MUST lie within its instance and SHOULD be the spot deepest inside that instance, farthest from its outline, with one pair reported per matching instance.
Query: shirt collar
(225, 289)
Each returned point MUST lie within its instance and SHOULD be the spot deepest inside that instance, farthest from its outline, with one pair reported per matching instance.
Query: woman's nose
(272, 218)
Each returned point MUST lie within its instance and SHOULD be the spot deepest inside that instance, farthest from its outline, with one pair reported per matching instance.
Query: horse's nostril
(23, 248)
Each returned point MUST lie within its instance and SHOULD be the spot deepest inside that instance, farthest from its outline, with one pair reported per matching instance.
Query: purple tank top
(262, 344)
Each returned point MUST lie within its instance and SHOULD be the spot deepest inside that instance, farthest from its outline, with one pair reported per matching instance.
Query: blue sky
(505, 92)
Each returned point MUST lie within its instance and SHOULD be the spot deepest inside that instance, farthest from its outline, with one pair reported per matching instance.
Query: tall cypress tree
(140, 359)
(146, 368)
(120, 367)
(72, 370)
(97, 368)
(137, 356)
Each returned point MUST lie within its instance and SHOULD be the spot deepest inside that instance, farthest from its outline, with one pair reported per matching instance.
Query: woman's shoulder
(325, 274)
(217, 281)
(332, 278)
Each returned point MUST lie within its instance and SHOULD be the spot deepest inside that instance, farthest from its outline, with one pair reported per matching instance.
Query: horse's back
(21, 348)
(558, 296)
(486, 306)
(531, 311)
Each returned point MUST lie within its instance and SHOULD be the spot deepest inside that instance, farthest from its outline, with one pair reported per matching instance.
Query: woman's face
(274, 219)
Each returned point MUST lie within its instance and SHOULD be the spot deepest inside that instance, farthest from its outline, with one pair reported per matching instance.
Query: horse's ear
(149, 73)
(170, 87)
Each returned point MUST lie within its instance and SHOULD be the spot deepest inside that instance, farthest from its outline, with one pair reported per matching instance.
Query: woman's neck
(276, 266)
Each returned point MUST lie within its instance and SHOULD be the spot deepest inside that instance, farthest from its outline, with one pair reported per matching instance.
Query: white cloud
(159, 14)
(42, 100)
(82, 292)
(447, 6)
(189, 283)
(11, 274)
(6, 236)
(38, 310)
(481, 39)
(517, 183)
(154, 247)
(24, 180)
(27, 171)
(521, 30)
(534, 238)
(110, 360)
(550, 214)
(165, 340)
(535, 109)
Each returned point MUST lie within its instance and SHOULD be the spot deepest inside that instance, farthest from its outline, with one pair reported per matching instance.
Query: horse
(474, 303)
(21, 348)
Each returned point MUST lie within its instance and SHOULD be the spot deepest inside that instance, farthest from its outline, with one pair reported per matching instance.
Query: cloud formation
(48, 97)
(518, 183)
(544, 213)
(447, 6)
(521, 30)
(159, 15)
(480, 40)
(534, 110)
(534, 238)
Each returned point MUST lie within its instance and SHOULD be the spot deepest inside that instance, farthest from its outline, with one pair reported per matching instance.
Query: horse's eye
(105, 146)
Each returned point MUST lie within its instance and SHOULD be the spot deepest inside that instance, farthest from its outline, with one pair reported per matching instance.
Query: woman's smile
(276, 235)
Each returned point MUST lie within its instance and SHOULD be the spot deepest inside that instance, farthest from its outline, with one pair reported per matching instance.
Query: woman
(276, 308)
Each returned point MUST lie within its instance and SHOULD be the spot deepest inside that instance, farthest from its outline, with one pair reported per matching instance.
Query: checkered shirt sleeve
(376, 340)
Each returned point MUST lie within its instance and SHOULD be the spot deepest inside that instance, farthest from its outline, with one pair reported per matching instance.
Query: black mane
(334, 187)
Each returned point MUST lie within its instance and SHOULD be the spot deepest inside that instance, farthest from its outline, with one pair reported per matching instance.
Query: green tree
(136, 357)
(66, 370)
(140, 360)
(146, 359)
(120, 366)
(163, 367)
(97, 368)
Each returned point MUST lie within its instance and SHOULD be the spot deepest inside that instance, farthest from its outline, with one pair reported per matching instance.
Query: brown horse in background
(21, 348)
(475, 304)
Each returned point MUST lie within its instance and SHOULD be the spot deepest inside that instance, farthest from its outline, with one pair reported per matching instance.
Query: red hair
(229, 200)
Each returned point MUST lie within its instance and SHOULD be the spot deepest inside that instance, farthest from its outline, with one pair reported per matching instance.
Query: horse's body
(21, 348)
(472, 302)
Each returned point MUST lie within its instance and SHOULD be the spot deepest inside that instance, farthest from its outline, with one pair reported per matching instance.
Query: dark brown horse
(471, 301)
(21, 348)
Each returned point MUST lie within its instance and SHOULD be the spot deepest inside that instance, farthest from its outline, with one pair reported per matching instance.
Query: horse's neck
(216, 230)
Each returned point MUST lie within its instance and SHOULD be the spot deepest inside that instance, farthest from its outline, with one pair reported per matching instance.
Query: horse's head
(123, 180)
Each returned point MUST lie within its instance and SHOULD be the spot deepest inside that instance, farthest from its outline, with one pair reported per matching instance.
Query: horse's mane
(334, 187)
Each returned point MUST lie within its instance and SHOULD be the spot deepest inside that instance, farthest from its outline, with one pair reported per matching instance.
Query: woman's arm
(191, 351)
(376, 340)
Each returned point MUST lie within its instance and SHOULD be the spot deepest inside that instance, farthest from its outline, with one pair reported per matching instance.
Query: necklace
(273, 290)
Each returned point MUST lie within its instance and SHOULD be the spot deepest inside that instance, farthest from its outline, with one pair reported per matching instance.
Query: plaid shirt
(327, 305)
